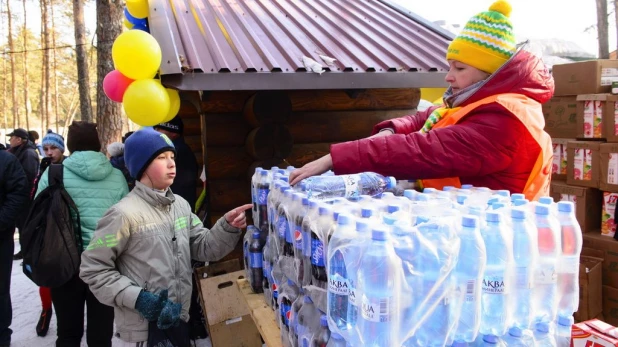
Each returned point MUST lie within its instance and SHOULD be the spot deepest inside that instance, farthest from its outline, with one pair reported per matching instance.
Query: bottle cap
(389, 220)
(565, 321)
(542, 210)
(546, 200)
(335, 216)
(483, 189)
(497, 205)
(429, 190)
(494, 217)
(391, 182)
(448, 188)
(362, 226)
(469, 221)
(392, 208)
(256, 235)
(467, 186)
(565, 206)
(379, 234)
(542, 327)
(493, 339)
(421, 220)
(366, 212)
(323, 210)
(263, 173)
(461, 198)
(503, 192)
(323, 320)
(387, 195)
(517, 196)
(313, 204)
(515, 331)
(518, 213)
(520, 202)
(344, 219)
(285, 179)
(305, 201)
(409, 193)
(423, 197)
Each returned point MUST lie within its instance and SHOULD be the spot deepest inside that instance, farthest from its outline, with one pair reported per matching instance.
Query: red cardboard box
(594, 333)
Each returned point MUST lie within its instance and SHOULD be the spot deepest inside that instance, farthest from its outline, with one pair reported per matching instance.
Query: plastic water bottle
(544, 335)
(255, 263)
(568, 270)
(267, 268)
(254, 184)
(517, 196)
(296, 306)
(503, 193)
(324, 187)
(545, 280)
(300, 206)
(497, 280)
(406, 247)
(379, 283)
(318, 251)
(339, 253)
(309, 222)
(546, 200)
(283, 226)
(525, 254)
(321, 337)
(263, 188)
(246, 241)
(519, 338)
(289, 294)
(354, 298)
(336, 340)
(305, 325)
(469, 278)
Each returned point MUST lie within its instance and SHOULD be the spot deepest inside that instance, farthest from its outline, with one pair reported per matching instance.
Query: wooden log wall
(246, 129)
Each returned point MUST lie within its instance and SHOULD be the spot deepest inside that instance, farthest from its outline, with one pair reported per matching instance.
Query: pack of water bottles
(345, 262)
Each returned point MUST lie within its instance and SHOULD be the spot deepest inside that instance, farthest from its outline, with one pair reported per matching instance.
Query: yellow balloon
(136, 54)
(174, 104)
(138, 8)
(146, 102)
(127, 24)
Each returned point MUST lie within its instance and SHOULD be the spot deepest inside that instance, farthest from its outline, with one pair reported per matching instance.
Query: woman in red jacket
(489, 132)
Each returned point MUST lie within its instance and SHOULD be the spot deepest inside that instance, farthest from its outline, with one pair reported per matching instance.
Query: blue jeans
(7, 246)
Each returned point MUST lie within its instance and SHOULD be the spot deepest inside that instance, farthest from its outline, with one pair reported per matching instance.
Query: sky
(532, 19)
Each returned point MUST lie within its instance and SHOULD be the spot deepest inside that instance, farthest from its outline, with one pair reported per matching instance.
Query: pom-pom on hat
(142, 147)
(487, 40)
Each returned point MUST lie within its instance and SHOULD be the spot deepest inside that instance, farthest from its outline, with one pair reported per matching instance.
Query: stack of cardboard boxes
(582, 119)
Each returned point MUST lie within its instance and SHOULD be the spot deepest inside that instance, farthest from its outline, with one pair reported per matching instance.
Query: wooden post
(266, 107)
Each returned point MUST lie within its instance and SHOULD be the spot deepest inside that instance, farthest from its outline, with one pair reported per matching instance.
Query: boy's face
(53, 152)
(462, 75)
(161, 171)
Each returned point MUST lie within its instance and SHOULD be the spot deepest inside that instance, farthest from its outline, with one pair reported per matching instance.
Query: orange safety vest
(529, 113)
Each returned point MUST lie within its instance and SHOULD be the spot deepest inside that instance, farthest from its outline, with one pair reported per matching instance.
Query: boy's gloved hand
(150, 304)
(170, 315)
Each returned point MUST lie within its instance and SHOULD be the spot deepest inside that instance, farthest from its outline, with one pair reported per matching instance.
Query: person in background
(27, 155)
(53, 147)
(139, 260)
(116, 158)
(489, 132)
(13, 196)
(33, 136)
(185, 183)
(94, 185)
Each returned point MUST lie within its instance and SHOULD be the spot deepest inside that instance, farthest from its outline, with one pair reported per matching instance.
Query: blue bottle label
(255, 260)
(298, 237)
(289, 234)
(494, 282)
(262, 197)
(376, 309)
(282, 225)
(285, 313)
(352, 299)
(317, 252)
(351, 185)
(338, 285)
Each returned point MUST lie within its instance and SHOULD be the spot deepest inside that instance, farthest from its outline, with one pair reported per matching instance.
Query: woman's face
(54, 153)
(161, 171)
(462, 75)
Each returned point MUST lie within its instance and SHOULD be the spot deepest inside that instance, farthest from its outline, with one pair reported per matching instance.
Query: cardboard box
(228, 318)
(585, 77)
(596, 117)
(561, 117)
(587, 203)
(583, 163)
(590, 288)
(609, 167)
(608, 213)
(559, 161)
(593, 333)
(609, 247)
(610, 305)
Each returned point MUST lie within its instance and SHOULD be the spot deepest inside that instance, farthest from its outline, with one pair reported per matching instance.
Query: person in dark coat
(27, 155)
(185, 183)
(116, 158)
(13, 197)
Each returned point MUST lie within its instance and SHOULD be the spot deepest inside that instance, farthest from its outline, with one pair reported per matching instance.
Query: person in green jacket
(94, 185)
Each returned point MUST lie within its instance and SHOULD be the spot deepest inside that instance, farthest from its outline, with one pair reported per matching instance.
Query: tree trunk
(48, 48)
(602, 29)
(12, 57)
(54, 67)
(82, 61)
(44, 55)
(109, 26)
(616, 18)
(26, 96)
(5, 124)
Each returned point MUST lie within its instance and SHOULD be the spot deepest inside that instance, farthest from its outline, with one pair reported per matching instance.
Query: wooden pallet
(262, 314)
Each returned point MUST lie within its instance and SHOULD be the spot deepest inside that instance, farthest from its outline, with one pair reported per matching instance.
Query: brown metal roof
(259, 44)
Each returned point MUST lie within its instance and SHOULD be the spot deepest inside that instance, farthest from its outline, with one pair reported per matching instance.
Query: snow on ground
(26, 311)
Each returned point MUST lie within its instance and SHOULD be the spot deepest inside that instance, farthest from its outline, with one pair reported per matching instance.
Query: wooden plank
(228, 194)
(338, 126)
(225, 101)
(270, 141)
(226, 129)
(265, 107)
(306, 152)
(228, 162)
(262, 314)
(369, 99)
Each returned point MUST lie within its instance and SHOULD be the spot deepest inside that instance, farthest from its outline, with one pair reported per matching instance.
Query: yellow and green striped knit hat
(487, 40)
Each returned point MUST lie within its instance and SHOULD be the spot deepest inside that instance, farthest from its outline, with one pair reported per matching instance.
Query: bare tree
(25, 66)
(82, 61)
(12, 60)
(54, 66)
(44, 111)
(109, 26)
(602, 29)
(47, 61)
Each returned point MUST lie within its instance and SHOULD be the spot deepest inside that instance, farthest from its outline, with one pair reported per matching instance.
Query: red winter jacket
(489, 147)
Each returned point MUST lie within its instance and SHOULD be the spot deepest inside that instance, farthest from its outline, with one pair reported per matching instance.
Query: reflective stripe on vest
(529, 112)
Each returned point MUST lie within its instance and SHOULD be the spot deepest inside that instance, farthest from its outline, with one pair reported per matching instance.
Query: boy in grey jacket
(139, 260)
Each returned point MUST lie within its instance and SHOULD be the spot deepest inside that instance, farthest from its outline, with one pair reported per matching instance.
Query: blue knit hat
(142, 147)
(53, 139)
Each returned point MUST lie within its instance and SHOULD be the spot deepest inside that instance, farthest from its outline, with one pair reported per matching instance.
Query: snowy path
(26, 311)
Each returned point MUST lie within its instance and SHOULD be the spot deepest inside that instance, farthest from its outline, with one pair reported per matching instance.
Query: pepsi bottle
(256, 271)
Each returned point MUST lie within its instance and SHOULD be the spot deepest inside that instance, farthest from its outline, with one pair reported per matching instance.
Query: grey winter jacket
(146, 242)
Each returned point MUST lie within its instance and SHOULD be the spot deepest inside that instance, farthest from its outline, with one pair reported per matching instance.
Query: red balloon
(115, 84)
